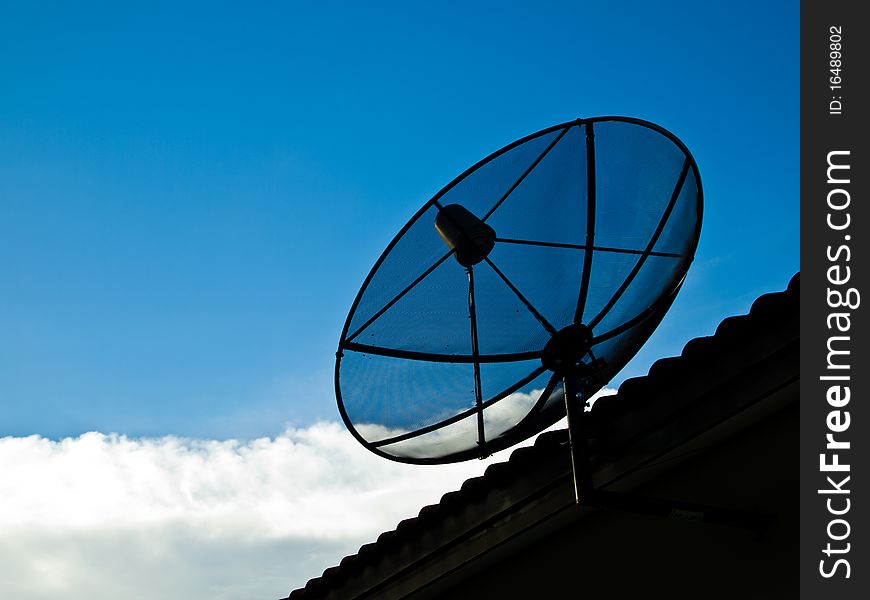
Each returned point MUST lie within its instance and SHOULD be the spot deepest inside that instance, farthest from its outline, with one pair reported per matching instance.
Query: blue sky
(190, 196)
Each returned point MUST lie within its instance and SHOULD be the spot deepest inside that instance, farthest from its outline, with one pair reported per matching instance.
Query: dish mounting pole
(574, 406)
(585, 493)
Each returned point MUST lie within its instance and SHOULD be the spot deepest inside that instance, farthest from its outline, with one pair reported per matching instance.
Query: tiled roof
(641, 405)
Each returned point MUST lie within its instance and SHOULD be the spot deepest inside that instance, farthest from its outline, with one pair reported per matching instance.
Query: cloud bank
(106, 516)
(458, 436)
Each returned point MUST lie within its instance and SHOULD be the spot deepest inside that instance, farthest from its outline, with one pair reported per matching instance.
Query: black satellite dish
(541, 270)
(517, 292)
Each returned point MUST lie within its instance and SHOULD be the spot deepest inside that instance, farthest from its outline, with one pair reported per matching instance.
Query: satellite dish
(519, 290)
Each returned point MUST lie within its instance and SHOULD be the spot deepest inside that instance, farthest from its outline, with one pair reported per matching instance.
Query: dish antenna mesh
(533, 277)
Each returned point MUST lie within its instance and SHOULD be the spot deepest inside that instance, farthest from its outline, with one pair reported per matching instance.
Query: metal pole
(583, 489)
(586, 495)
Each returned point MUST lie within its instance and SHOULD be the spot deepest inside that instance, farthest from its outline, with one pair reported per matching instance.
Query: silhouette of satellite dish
(519, 290)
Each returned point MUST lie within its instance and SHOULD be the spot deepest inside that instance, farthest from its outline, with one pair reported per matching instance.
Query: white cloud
(106, 516)
(460, 435)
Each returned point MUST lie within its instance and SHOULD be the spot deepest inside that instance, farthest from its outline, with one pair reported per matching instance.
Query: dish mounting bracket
(586, 494)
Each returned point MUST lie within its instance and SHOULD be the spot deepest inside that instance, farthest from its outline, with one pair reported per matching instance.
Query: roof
(678, 399)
